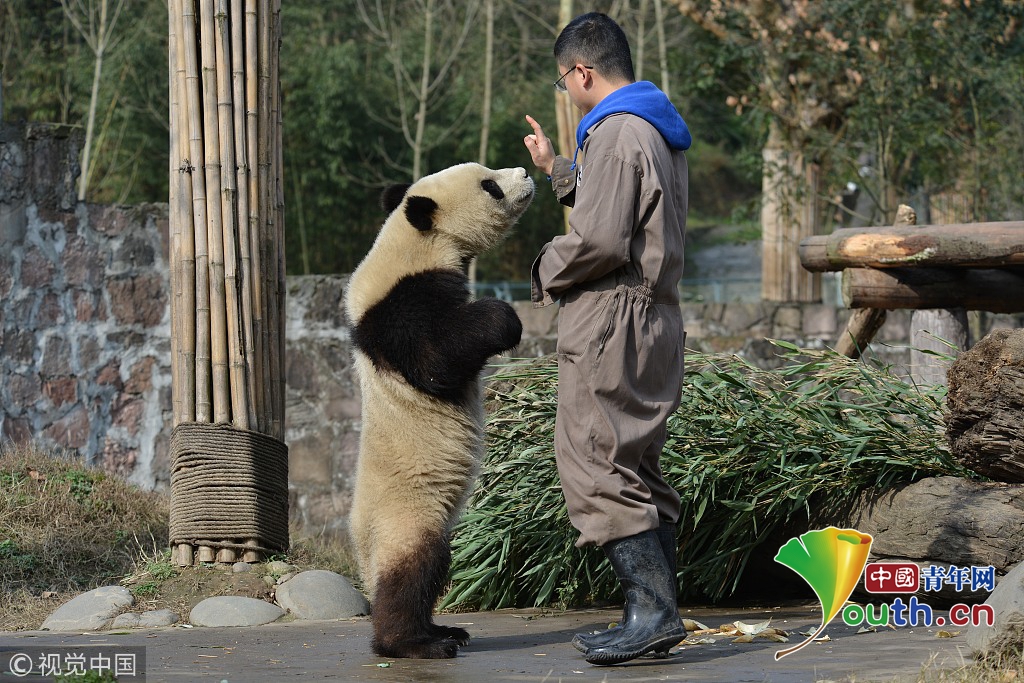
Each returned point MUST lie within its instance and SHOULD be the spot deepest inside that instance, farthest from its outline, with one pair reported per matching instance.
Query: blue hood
(645, 100)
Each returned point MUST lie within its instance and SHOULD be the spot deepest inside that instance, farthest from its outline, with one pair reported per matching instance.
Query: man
(620, 329)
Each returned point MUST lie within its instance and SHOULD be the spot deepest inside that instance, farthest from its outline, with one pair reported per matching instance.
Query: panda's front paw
(499, 323)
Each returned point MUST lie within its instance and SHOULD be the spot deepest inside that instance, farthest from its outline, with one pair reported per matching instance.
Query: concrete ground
(518, 645)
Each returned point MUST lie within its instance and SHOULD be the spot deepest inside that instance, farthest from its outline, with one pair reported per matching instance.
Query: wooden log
(994, 290)
(862, 327)
(184, 555)
(252, 556)
(227, 555)
(936, 336)
(985, 410)
(864, 324)
(205, 554)
(971, 245)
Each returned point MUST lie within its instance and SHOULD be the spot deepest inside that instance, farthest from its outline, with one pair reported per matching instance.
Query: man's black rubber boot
(652, 622)
(586, 641)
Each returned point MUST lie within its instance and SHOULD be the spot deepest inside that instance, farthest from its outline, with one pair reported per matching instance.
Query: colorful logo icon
(831, 561)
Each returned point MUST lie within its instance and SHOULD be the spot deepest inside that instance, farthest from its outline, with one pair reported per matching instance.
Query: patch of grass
(749, 450)
(66, 528)
(88, 677)
(146, 588)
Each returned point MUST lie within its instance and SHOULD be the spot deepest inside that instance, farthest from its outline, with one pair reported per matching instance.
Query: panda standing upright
(420, 345)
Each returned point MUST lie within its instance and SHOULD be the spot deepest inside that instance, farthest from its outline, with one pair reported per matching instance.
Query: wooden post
(227, 241)
(862, 327)
(865, 323)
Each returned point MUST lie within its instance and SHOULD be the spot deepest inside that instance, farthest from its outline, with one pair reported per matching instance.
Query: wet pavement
(518, 645)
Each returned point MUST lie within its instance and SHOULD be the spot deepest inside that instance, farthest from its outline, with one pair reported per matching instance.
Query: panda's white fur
(420, 344)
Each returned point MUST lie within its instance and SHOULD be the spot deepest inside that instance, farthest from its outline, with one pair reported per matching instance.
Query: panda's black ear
(420, 212)
(392, 196)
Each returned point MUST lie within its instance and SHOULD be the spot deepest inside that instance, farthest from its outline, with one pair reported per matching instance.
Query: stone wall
(84, 326)
(85, 350)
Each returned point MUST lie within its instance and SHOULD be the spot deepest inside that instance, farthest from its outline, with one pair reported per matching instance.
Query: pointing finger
(538, 131)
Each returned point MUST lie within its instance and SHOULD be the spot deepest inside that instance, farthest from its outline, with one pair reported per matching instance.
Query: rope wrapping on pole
(228, 485)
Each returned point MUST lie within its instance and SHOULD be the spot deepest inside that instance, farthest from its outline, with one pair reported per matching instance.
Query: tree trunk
(789, 214)
(485, 115)
(567, 117)
(659, 21)
(421, 113)
(641, 44)
(83, 183)
(986, 408)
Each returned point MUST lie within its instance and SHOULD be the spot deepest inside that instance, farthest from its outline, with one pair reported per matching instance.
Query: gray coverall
(620, 329)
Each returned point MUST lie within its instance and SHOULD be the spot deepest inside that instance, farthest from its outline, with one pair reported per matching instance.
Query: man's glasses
(560, 83)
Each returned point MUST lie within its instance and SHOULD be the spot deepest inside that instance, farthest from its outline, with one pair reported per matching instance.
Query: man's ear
(420, 212)
(392, 196)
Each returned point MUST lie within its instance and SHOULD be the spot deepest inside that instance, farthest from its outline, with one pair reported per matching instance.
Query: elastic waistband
(637, 290)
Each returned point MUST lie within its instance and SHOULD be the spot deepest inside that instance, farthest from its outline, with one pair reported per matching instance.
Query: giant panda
(420, 343)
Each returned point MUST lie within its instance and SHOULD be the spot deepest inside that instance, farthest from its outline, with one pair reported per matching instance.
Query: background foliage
(938, 103)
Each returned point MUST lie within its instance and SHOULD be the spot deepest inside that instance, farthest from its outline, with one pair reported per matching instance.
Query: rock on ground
(942, 521)
(1006, 634)
(90, 611)
(234, 610)
(151, 619)
(985, 403)
(320, 594)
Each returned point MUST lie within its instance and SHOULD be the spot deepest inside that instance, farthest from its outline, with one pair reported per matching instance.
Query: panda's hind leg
(459, 635)
(406, 592)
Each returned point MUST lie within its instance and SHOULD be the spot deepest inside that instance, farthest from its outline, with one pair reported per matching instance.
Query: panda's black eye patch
(492, 188)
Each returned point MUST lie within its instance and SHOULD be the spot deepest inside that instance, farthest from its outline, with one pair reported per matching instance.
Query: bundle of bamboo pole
(227, 229)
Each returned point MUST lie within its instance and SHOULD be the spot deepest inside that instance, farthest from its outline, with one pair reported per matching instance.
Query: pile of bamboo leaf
(748, 450)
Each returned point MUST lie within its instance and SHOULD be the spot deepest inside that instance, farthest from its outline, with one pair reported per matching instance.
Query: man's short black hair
(595, 40)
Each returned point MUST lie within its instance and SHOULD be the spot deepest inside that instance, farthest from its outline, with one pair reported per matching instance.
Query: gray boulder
(90, 611)
(234, 610)
(1006, 634)
(151, 619)
(321, 595)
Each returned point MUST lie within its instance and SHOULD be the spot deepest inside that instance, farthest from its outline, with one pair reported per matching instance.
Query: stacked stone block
(84, 329)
